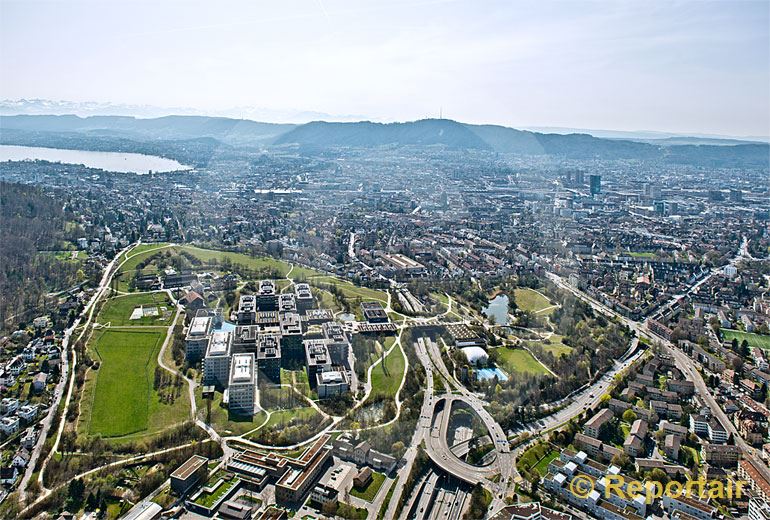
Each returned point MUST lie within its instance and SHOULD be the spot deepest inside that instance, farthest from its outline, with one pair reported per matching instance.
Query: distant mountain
(649, 135)
(319, 135)
(230, 131)
(95, 108)
(714, 141)
(365, 134)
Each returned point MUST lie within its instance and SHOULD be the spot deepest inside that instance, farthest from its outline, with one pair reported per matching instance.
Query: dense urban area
(352, 320)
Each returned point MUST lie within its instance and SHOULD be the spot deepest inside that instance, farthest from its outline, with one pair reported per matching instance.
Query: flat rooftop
(199, 326)
(303, 292)
(219, 344)
(242, 369)
(189, 467)
(331, 377)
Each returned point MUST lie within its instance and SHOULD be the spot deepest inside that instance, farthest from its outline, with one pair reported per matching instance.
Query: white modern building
(216, 364)
(242, 386)
(198, 337)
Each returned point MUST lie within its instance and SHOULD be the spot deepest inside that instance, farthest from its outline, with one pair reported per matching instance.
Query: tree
(745, 348)
(75, 491)
(629, 416)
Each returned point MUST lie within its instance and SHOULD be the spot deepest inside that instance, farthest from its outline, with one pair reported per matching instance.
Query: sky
(686, 67)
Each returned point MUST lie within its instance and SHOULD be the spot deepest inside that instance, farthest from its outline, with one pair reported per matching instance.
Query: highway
(688, 365)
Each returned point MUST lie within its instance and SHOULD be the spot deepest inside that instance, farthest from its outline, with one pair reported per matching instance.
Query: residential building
(269, 356)
(596, 424)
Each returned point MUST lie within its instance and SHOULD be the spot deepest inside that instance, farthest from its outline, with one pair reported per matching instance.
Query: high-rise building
(216, 364)
(243, 384)
(197, 337)
(595, 182)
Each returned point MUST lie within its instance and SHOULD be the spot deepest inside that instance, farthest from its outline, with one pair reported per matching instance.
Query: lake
(108, 161)
(498, 308)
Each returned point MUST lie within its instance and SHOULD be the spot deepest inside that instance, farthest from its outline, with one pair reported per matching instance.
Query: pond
(108, 161)
(498, 307)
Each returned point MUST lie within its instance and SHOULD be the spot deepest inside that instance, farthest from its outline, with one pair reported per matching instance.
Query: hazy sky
(692, 66)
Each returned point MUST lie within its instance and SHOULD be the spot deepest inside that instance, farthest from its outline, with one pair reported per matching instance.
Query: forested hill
(321, 135)
(34, 231)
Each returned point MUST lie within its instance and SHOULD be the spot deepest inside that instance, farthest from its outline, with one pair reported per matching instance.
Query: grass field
(221, 419)
(209, 499)
(138, 254)
(369, 492)
(385, 385)
(280, 418)
(298, 379)
(555, 347)
(145, 251)
(124, 392)
(117, 311)
(542, 466)
(519, 360)
(530, 300)
(755, 340)
(537, 457)
(208, 255)
(349, 290)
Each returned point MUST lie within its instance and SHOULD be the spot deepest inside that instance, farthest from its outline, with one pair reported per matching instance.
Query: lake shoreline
(114, 162)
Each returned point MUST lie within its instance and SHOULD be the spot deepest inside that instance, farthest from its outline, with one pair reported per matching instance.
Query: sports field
(117, 311)
(755, 340)
(123, 394)
(530, 300)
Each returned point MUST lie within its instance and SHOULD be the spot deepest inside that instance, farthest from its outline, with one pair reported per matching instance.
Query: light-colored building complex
(332, 383)
(198, 337)
(216, 365)
(242, 386)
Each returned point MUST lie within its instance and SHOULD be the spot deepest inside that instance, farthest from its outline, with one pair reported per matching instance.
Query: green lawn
(139, 253)
(755, 340)
(124, 382)
(209, 499)
(530, 300)
(369, 492)
(519, 360)
(117, 311)
(280, 418)
(542, 466)
(555, 346)
(536, 457)
(223, 421)
(387, 376)
(641, 254)
(349, 290)
(298, 379)
(206, 256)
(251, 262)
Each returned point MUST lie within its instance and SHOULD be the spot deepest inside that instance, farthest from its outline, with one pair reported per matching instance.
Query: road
(683, 361)
(88, 311)
(434, 424)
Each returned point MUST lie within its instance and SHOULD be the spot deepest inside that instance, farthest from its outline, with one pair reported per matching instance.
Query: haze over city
(689, 67)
